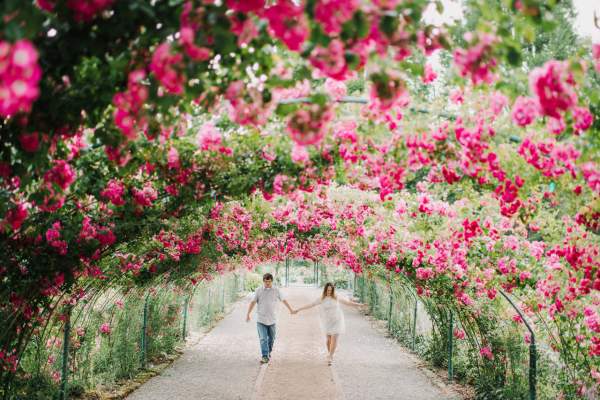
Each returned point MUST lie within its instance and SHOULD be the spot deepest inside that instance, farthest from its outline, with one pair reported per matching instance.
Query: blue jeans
(266, 335)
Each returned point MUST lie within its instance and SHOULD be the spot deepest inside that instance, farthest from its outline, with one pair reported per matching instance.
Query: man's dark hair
(267, 277)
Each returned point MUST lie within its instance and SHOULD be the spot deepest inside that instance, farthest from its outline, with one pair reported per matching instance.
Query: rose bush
(132, 130)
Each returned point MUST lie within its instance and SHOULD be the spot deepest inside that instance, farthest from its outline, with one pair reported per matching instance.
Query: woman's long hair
(325, 290)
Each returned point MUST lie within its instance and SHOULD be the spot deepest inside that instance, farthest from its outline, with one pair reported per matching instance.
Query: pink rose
(459, 334)
(114, 192)
(429, 75)
(105, 329)
(30, 142)
(554, 87)
(20, 74)
(209, 137)
(525, 111)
(332, 14)
(582, 119)
(486, 352)
(245, 5)
(596, 55)
(288, 23)
(62, 174)
(17, 215)
(477, 61)
(166, 66)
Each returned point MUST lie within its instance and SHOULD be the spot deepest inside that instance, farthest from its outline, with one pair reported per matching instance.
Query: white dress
(332, 317)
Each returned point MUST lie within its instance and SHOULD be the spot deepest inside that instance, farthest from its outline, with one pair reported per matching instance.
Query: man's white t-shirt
(266, 300)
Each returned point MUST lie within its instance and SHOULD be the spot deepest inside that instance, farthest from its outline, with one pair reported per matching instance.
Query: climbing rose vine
(145, 142)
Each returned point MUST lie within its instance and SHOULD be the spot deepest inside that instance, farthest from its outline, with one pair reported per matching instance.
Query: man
(266, 297)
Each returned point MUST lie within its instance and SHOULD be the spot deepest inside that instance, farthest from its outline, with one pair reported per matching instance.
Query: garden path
(224, 364)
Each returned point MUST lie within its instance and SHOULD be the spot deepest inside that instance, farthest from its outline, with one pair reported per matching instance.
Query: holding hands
(293, 311)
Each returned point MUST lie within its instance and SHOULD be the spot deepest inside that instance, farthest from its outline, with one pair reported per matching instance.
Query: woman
(332, 317)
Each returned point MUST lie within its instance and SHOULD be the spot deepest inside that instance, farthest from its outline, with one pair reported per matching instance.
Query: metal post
(450, 342)
(532, 351)
(185, 317)
(317, 266)
(414, 327)
(223, 295)
(287, 272)
(363, 296)
(145, 333)
(322, 273)
(391, 304)
(372, 296)
(209, 311)
(532, 368)
(350, 281)
(315, 274)
(65, 358)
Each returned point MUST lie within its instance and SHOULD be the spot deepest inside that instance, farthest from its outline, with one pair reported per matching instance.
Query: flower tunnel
(155, 152)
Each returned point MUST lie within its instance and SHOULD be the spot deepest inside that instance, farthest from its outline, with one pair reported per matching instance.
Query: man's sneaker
(264, 360)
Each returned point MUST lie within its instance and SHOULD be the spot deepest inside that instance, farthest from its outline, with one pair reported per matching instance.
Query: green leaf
(357, 85)
(356, 27)
(13, 31)
(319, 98)
(439, 6)
(361, 23)
(302, 73)
(145, 8)
(319, 37)
(513, 56)
(528, 33)
(225, 42)
(285, 109)
(352, 60)
(548, 26)
(415, 68)
(389, 24)
(310, 8)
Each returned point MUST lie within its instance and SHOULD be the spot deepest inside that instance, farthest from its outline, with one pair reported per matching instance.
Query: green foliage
(355, 86)
(252, 282)
(308, 280)
(506, 377)
(102, 360)
(85, 64)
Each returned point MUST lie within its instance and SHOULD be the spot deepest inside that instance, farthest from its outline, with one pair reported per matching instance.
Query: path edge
(259, 381)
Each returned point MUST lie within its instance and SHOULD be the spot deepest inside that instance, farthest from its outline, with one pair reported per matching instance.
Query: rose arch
(148, 147)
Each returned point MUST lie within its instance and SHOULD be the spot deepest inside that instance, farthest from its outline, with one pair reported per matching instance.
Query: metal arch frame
(532, 350)
(532, 346)
(363, 100)
(360, 100)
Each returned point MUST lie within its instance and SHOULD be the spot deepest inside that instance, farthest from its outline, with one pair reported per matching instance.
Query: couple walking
(267, 296)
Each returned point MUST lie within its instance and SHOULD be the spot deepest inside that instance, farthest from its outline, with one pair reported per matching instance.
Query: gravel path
(225, 363)
(369, 365)
(298, 369)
